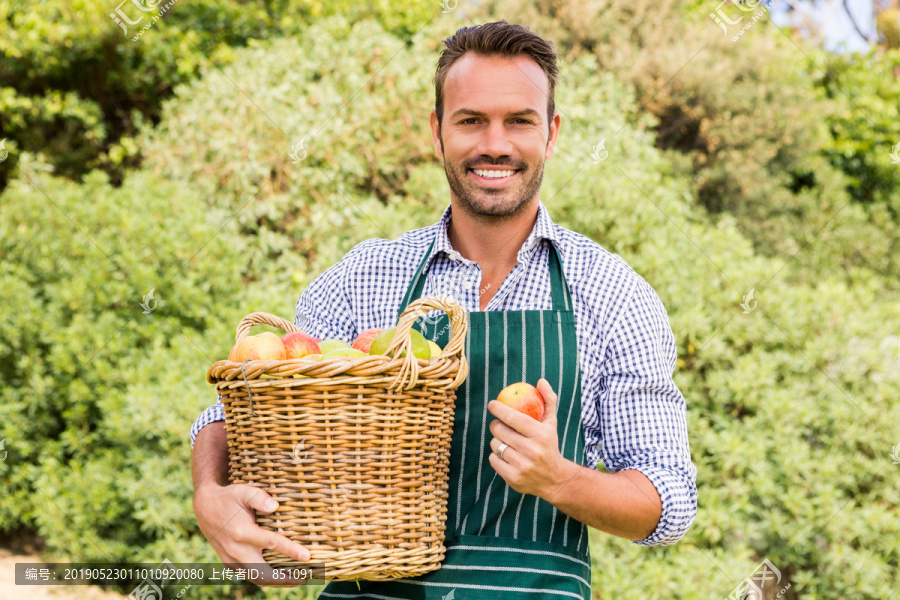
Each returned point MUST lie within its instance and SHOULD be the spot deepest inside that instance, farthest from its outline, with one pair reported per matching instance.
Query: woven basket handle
(261, 318)
(459, 323)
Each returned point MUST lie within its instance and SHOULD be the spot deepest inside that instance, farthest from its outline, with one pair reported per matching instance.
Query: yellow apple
(265, 346)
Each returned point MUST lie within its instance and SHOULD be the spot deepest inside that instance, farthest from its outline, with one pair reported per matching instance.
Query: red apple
(265, 346)
(364, 340)
(524, 398)
(298, 344)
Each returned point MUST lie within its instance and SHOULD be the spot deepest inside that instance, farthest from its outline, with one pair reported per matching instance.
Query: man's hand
(225, 512)
(225, 515)
(532, 464)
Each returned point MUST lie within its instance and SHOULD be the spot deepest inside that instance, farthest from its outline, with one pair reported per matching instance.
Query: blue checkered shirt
(633, 414)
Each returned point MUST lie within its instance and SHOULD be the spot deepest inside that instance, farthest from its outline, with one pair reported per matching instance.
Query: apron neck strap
(417, 285)
(559, 291)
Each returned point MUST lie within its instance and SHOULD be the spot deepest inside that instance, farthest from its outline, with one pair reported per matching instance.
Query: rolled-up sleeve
(210, 415)
(643, 413)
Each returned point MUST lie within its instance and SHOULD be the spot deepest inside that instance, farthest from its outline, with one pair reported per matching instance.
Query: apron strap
(417, 285)
(559, 290)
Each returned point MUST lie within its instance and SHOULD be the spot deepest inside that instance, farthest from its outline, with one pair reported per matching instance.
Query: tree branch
(853, 21)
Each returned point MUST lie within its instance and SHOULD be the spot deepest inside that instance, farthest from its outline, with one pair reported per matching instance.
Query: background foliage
(164, 164)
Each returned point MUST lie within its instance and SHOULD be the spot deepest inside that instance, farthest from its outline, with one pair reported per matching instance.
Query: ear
(554, 135)
(436, 134)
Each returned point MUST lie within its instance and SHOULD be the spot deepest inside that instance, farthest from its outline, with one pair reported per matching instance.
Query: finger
(510, 418)
(508, 453)
(505, 433)
(262, 538)
(551, 400)
(255, 498)
(503, 468)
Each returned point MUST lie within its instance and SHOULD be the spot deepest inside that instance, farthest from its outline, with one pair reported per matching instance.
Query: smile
(493, 175)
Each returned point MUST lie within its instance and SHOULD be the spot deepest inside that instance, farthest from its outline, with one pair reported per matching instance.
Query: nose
(495, 141)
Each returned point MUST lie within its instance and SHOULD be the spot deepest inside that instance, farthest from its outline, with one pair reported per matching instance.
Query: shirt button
(454, 255)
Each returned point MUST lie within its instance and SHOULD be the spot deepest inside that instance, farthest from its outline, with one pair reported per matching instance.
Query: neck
(492, 242)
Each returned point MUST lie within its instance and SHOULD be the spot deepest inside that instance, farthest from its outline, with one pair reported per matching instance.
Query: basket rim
(406, 369)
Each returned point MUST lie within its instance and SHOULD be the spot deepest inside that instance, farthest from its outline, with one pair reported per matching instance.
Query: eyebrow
(477, 113)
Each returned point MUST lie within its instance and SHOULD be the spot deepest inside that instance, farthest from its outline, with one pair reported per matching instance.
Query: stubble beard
(493, 204)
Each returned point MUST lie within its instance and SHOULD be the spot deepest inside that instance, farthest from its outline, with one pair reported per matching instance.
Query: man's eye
(463, 122)
(524, 121)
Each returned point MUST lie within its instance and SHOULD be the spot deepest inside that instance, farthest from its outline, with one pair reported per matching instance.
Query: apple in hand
(265, 346)
(524, 398)
(298, 344)
(364, 340)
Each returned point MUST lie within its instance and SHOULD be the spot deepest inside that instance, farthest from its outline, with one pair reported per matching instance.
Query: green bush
(864, 130)
(77, 88)
(97, 396)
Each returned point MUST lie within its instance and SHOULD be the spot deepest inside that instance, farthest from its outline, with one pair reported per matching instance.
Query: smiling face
(494, 137)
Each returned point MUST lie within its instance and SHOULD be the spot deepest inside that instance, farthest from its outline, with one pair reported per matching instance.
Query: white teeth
(493, 174)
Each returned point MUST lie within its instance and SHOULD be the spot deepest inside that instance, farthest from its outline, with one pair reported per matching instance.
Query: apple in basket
(344, 353)
(326, 346)
(364, 340)
(525, 398)
(298, 344)
(420, 347)
(265, 346)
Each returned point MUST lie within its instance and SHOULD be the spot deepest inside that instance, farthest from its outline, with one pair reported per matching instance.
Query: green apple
(314, 356)
(326, 346)
(435, 349)
(344, 352)
(420, 346)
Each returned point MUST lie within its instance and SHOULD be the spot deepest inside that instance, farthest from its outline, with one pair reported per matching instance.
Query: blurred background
(170, 166)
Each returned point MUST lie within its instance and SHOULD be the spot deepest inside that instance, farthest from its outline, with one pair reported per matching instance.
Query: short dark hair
(496, 39)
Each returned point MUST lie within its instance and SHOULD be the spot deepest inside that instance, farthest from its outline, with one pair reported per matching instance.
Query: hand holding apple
(532, 462)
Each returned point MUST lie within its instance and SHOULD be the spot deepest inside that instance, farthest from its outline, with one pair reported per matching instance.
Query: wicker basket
(355, 450)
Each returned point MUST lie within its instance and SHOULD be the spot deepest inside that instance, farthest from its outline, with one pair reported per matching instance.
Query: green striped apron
(500, 543)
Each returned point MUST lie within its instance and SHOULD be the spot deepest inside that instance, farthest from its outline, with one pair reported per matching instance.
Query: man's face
(495, 121)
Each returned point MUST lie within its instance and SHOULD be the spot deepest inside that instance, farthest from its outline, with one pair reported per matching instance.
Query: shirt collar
(544, 229)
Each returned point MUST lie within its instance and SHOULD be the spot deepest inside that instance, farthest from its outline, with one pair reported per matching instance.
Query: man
(547, 306)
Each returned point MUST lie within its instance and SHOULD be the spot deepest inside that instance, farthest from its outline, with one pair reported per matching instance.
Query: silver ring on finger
(502, 448)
